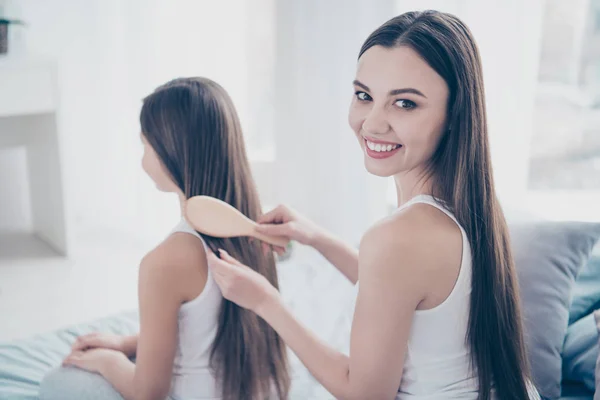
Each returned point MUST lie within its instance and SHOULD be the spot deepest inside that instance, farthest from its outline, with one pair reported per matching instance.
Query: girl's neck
(182, 201)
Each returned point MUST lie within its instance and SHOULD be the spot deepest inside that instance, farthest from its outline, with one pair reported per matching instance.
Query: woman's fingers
(225, 256)
(276, 215)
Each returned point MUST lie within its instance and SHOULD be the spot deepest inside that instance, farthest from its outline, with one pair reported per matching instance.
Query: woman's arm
(343, 256)
(283, 221)
(388, 296)
(389, 293)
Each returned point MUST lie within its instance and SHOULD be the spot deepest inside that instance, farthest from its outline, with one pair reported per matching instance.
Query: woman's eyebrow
(393, 92)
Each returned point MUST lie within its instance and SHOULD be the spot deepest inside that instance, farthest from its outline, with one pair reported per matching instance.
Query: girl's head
(193, 145)
(193, 141)
(420, 91)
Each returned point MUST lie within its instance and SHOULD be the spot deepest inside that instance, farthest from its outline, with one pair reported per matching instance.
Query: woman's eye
(362, 96)
(406, 104)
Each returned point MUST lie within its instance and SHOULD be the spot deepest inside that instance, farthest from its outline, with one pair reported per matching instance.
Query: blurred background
(77, 212)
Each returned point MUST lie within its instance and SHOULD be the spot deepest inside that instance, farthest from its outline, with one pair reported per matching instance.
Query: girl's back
(194, 146)
(197, 324)
(192, 343)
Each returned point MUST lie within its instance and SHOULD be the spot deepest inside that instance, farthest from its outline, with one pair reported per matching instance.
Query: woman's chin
(377, 169)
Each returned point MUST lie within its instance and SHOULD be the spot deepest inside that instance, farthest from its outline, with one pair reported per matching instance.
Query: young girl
(193, 344)
(437, 314)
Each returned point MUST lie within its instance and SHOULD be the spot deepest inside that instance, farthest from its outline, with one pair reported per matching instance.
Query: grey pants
(70, 383)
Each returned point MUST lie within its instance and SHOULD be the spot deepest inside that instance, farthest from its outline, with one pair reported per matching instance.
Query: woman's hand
(283, 221)
(240, 284)
(94, 360)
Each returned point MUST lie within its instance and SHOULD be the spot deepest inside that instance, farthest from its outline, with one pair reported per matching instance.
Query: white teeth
(378, 147)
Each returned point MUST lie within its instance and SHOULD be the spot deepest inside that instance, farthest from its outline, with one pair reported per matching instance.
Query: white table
(28, 117)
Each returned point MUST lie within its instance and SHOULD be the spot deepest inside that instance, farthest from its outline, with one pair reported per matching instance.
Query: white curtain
(319, 163)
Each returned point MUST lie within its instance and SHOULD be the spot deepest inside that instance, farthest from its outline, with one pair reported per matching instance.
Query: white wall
(67, 31)
(508, 34)
(111, 53)
(320, 168)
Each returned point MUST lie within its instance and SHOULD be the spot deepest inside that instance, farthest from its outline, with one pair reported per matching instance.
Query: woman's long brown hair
(461, 170)
(192, 125)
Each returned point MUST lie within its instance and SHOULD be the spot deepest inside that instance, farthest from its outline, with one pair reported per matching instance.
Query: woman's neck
(410, 185)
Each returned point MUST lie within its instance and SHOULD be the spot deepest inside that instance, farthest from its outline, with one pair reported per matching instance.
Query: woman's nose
(375, 123)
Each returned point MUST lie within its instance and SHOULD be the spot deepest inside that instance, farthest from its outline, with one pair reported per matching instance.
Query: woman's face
(155, 169)
(398, 112)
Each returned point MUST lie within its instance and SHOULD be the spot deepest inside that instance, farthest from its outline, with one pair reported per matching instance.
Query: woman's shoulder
(420, 235)
(429, 217)
(420, 224)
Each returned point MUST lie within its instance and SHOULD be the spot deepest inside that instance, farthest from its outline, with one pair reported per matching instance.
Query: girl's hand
(240, 284)
(94, 360)
(100, 340)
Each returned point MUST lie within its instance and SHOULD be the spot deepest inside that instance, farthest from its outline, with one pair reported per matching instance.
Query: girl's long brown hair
(192, 125)
(462, 175)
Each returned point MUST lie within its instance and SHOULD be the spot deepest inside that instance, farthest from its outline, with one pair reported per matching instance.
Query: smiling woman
(410, 115)
(419, 115)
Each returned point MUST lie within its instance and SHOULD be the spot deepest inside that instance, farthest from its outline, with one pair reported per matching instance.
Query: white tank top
(437, 361)
(197, 327)
(438, 357)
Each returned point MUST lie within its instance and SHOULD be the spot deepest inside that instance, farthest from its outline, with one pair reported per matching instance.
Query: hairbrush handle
(279, 241)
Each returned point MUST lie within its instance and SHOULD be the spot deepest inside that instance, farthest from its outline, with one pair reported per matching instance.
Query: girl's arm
(159, 302)
(164, 279)
(95, 340)
(130, 345)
